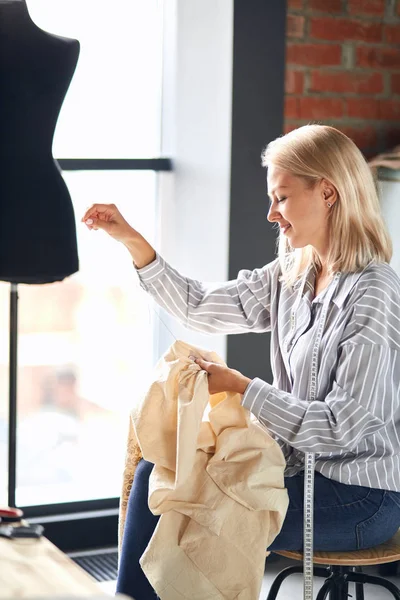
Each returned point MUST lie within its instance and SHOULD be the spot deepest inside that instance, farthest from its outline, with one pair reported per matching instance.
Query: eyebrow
(277, 188)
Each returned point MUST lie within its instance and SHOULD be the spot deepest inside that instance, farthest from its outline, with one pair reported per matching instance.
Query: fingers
(96, 210)
(101, 216)
(95, 223)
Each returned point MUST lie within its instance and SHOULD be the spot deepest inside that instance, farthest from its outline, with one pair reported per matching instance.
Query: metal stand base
(336, 585)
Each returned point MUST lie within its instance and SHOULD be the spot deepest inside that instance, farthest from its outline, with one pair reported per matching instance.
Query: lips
(285, 228)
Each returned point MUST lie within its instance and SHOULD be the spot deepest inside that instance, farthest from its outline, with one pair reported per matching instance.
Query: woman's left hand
(222, 379)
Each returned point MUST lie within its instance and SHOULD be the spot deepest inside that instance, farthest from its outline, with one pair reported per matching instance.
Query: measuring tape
(309, 460)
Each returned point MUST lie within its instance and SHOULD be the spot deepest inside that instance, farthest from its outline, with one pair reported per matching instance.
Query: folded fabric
(217, 483)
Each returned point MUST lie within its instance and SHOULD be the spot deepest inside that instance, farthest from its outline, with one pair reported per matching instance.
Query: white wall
(196, 133)
(389, 190)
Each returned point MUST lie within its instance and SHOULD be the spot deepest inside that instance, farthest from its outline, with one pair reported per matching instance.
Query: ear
(329, 192)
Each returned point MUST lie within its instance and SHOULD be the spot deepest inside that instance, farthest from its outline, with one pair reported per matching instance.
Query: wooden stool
(344, 567)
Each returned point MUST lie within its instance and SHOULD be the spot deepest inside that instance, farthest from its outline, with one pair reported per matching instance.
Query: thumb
(202, 363)
(94, 223)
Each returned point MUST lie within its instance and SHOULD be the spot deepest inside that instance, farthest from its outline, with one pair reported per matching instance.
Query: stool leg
(336, 585)
(359, 591)
(339, 584)
(363, 578)
(276, 584)
(359, 586)
(345, 589)
(274, 589)
(339, 591)
(325, 590)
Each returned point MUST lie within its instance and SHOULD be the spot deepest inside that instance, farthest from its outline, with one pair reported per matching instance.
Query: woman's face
(301, 212)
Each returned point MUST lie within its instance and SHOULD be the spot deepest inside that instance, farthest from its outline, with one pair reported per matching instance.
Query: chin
(296, 243)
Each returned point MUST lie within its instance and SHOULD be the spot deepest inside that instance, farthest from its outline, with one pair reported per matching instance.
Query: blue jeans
(346, 517)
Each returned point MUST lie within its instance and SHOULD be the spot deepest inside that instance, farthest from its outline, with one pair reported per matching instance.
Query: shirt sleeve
(236, 306)
(363, 399)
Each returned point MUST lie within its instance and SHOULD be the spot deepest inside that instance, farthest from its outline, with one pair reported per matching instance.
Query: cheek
(309, 211)
(298, 215)
(304, 217)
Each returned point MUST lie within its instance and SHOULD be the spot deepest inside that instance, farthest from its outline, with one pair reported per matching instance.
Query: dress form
(37, 223)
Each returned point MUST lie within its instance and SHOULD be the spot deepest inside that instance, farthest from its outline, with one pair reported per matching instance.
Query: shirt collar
(307, 279)
(346, 283)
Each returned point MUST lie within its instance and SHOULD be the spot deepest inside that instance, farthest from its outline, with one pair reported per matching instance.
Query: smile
(285, 228)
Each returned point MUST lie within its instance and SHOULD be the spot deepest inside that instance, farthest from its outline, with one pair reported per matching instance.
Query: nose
(273, 213)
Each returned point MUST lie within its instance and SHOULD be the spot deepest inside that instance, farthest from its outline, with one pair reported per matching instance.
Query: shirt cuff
(255, 395)
(150, 272)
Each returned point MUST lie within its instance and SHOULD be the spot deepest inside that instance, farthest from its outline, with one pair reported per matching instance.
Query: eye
(279, 200)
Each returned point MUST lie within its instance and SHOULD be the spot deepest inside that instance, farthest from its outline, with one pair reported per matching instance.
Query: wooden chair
(342, 568)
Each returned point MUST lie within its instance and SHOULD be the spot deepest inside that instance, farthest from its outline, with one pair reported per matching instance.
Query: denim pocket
(395, 496)
(380, 526)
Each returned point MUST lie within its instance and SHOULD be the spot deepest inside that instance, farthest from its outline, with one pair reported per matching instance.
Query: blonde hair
(357, 232)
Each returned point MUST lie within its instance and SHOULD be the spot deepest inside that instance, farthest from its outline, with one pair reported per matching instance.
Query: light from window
(85, 354)
(112, 108)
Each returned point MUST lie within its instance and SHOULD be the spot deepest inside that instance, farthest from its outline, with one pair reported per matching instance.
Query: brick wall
(343, 69)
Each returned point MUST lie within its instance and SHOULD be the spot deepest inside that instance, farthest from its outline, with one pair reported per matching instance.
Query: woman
(330, 300)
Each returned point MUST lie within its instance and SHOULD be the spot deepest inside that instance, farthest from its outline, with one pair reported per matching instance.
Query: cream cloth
(217, 483)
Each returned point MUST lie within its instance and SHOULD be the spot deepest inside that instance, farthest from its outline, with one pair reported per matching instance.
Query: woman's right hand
(108, 218)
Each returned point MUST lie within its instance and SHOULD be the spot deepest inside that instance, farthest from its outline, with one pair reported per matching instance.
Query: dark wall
(257, 118)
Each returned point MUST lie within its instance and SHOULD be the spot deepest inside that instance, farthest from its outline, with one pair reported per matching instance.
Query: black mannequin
(37, 223)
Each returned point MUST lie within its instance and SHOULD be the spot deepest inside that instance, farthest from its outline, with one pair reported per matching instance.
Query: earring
(328, 204)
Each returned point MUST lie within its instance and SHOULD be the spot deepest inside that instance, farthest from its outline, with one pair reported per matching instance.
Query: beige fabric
(217, 483)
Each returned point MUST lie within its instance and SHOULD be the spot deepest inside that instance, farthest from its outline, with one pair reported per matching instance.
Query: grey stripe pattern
(353, 425)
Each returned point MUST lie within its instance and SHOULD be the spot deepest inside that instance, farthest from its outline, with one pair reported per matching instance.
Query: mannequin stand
(12, 407)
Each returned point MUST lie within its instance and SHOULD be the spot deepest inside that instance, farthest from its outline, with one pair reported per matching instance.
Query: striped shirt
(352, 425)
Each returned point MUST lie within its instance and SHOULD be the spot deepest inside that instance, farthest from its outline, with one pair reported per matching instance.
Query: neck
(15, 11)
(323, 257)
(18, 3)
(324, 271)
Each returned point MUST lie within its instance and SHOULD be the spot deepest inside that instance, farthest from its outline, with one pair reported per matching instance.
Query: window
(85, 345)
(85, 348)
(113, 105)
